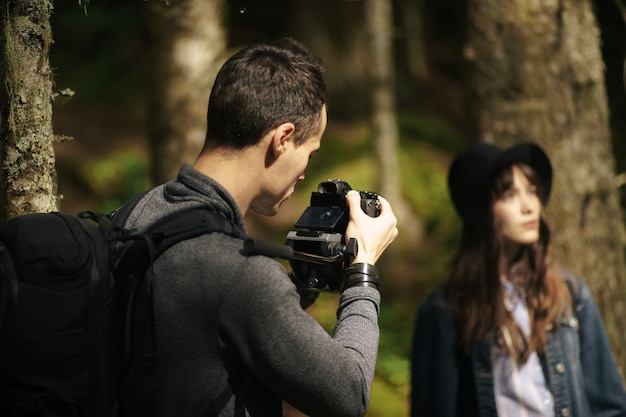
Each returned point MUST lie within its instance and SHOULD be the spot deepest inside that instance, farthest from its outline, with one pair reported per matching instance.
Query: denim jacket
(582, 374)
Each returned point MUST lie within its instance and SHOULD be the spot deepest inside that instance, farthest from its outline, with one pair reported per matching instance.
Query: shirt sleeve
(288, 350)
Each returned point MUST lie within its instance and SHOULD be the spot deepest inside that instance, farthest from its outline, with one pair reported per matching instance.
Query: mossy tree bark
(537, 75)
(28, 183)
(187, 41)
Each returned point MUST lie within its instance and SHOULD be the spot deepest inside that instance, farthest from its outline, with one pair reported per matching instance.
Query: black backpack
(75, 307)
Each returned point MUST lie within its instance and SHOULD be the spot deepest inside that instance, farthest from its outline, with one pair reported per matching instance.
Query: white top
(520, 391)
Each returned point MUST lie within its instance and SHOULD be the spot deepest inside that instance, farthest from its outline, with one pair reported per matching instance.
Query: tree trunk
(416, 56)
(379, 22)
(28, 183)
(538, 76)
(187, 41)
(341, 41)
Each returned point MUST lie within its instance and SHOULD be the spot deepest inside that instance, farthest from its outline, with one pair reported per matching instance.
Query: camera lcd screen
(320, 218)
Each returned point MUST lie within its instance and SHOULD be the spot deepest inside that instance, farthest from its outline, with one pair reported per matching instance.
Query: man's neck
(237, 171)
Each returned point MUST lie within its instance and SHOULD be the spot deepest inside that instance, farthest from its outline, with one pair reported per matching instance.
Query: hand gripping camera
(320, 252)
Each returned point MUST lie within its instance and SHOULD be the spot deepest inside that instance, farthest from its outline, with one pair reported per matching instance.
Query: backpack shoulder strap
(121, 214)
(134, 274)
(167, 232)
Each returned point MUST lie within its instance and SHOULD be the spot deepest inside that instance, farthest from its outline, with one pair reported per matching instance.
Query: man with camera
(231, 336)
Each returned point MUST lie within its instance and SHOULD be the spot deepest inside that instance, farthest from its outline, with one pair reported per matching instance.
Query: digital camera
(320, 250)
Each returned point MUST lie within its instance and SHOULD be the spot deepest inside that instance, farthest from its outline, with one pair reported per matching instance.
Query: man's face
(287, 171)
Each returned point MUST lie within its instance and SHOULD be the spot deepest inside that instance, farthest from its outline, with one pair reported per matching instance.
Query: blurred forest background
(102, 73)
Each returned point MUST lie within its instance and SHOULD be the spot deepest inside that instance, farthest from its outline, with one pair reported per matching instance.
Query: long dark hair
(476, 294)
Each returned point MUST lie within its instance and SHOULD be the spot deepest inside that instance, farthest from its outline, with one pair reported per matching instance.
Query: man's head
(261, 87)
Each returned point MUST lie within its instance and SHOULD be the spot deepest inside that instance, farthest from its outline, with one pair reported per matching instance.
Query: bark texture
(187, 42)
(537, 74)
(28, 182)
(379, 24)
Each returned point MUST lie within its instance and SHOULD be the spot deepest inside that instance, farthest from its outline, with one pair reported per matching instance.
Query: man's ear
(283, 134)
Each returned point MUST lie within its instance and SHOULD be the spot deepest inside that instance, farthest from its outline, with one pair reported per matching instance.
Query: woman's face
(517, 213)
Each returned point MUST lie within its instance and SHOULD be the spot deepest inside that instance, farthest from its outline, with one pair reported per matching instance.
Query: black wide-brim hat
(473, 169)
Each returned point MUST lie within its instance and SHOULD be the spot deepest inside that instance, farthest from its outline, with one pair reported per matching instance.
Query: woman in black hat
(510, 333)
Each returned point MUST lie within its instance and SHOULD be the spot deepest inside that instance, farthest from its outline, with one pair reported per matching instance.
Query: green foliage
(325, 311)
(99, 52)
(425, 186)
(387, 401)
(430, 129)
(116, 177)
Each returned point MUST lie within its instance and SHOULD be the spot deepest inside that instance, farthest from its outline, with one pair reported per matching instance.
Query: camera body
(320, 250)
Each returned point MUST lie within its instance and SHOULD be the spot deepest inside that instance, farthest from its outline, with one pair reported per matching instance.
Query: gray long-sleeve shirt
(223, 317)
